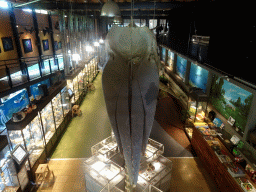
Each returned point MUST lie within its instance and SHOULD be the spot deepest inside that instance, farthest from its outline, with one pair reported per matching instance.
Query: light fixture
(4, 4)
(96, 44)
(110, 9)
(101, 41)
(117, 20)
(89, 48)
(76, 57)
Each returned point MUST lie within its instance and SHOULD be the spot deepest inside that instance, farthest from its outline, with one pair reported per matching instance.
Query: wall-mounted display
(170, 60)
(55, 45)
(231, 100)
(7, 43)
(198, 76)
(163, 54)
(27, 45)
(181, 67)
(45, 44)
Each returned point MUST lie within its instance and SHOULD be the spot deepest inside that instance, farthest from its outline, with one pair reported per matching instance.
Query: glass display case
(85, 77)
(46, 67)
(8, 175)
(31, 137)
(80, 78)
(197, 104)
(66, 105)
(48, 121)
(57, 110)
(104, 171)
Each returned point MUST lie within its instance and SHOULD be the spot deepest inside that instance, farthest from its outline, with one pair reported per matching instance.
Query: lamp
(110, 9)
(117, 20)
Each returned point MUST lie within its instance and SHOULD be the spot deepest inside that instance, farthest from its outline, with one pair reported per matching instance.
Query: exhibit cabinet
(8, 174)
(37, 131)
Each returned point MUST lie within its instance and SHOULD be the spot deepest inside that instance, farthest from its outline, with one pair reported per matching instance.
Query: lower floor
(93, 126)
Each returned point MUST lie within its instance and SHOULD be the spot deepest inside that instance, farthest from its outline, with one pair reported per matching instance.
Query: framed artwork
(45, 45)
(59, 45)
(27, 45)
(7, 43)
(55, 45)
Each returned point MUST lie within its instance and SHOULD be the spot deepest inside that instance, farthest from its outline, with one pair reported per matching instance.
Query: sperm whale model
(130, 84)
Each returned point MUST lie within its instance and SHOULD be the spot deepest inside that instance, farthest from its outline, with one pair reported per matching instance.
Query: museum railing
(15, 72)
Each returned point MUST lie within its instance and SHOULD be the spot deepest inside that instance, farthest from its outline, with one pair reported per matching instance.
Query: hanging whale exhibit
(130, 84)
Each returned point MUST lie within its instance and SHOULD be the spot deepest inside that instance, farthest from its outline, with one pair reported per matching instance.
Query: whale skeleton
(130, 84)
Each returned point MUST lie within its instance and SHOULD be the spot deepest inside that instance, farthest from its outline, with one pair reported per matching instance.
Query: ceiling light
(3, 4)
(101, 41)
(110, 9)
(96, 44)
(118, 20)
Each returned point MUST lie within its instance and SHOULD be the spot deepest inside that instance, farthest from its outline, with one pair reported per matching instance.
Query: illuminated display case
(104, 171)
(57, 110)
(48, 121)
(8, 175)
(31, 137)
(80, 79)
(197, 104)
(65, 101)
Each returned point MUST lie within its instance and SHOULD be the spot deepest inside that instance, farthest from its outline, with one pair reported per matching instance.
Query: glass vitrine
(197, 110)
(71, 87)
(65, 100)
(46, 67)
(31, 137)
(8, 174)
(80, 78)
(85, 76)
(75, 85)
(48, 121)
(57, 110)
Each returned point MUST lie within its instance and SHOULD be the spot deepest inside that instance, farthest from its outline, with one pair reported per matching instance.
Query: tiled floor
(187, 175)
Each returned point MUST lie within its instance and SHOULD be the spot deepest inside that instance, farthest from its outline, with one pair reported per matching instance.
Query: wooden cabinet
(219, 173)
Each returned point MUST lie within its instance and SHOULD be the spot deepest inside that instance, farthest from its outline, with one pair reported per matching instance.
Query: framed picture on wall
(55, 45)
(7, 43)
(59, 45)
(27, 45)
(45, 44)
(231, 121)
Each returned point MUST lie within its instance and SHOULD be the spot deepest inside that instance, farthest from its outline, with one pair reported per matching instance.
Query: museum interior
(57, 128)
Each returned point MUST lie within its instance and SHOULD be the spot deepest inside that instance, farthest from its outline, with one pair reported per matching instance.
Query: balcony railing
(16, 72)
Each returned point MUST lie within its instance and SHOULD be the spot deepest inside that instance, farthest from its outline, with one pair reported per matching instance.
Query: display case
(104, 171)
(57, 110)
(65, 100)
(8, 175)
(80, 79)
(197, 104)
(48, 121)
(73, 85)
(31, 137)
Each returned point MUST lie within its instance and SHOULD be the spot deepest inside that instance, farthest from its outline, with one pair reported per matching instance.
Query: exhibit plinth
(105, 170)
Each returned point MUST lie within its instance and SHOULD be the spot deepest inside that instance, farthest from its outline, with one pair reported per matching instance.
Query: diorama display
(73, 85)
(36, 89)
(181, 67)
(231, 101)
(11, 104)
(198, 77)
(60, 62)
(163, 54)
(8, 175)
(48, 121)
(170, 60)
(46, 67)
(105, 170)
